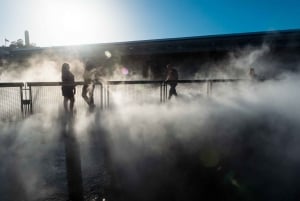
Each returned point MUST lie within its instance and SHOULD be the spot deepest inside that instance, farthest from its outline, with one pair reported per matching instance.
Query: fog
(252, 132)
(239, 143)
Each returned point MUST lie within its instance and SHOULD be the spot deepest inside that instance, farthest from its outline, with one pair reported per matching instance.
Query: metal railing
(22, 99)
(11, 101)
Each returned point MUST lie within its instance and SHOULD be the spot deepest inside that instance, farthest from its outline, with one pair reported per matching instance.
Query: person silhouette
(68, 87)
(90, 78)
(172, 80)
(252, 74)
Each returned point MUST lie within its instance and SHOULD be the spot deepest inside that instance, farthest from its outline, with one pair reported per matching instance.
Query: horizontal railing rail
(210, 80)
(29, 92)
(37, 84)
(134, 82)
(11, 84)
(118, 82)
(179, 81)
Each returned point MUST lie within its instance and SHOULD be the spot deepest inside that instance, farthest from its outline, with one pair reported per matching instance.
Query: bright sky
(71, 22)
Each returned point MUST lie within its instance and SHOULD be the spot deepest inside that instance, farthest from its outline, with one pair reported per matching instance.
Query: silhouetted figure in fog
(252, 74)
(68, 87)
(90, 78)
(172, 79)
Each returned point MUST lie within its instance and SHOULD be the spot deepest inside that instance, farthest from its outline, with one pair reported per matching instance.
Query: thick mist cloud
(29, 159)
(40, 68)
(240, 143)
(248, 131)
(237, 64)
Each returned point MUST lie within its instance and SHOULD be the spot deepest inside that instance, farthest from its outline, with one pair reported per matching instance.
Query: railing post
(210, 90)
(209, 87)
(21, 98)
(101, 93)
(165, 91)
(30, 97)
(26, 102)
(107, 95)
(161, 91)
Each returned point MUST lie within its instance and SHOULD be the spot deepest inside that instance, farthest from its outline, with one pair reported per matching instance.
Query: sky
(75, 22)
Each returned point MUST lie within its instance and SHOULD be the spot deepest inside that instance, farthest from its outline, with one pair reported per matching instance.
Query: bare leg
(91, 98)
(91, 94)
(72, 100)
(84, 94)
(66, 104)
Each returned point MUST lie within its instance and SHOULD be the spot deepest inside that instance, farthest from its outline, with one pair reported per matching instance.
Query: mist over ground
(240, 143)
(242, 147)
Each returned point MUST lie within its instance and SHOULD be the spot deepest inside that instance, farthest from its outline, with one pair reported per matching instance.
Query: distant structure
(190, 55)
(27, 41)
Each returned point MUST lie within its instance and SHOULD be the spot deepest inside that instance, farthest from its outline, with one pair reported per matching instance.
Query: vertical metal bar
(30, 99)
(211, 84)
(101, 98)
(21, 98)
(107, 95)
(161, 91)
(166, 91)
(207, 87)
(104, 96)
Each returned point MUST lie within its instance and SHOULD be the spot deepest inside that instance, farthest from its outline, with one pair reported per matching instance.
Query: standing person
(172, 79)
(253, 76)
(89, 77)
(68, 87)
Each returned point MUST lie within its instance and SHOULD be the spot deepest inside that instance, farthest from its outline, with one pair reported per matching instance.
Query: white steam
(260, 116)
(40, 68)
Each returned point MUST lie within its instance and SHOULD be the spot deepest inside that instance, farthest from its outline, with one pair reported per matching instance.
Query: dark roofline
(205, 37)
(194, 43)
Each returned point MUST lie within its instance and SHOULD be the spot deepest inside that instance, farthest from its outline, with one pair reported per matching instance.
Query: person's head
(169, 67)
(65, 67)
(89, 65)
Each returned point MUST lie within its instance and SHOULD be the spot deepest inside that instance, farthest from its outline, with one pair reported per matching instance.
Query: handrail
(105, 89)
(11, 84)
(21, 84)
(209, 80)
(178, 81)
(36, 84)
(134, 82)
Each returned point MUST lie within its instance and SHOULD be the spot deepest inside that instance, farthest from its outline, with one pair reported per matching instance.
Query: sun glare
(77, 22)
(68, 23)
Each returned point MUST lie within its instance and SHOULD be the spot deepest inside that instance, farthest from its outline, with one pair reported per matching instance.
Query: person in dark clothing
(89, 77)
(68, 87)
(252, 74)
(172, 79)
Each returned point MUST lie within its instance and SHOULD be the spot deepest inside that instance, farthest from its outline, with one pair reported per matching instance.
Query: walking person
(89, 77)
(172, 80)
(68, 87)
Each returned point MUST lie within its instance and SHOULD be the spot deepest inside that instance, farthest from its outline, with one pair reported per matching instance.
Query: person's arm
(168, 76)
(72, 80)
